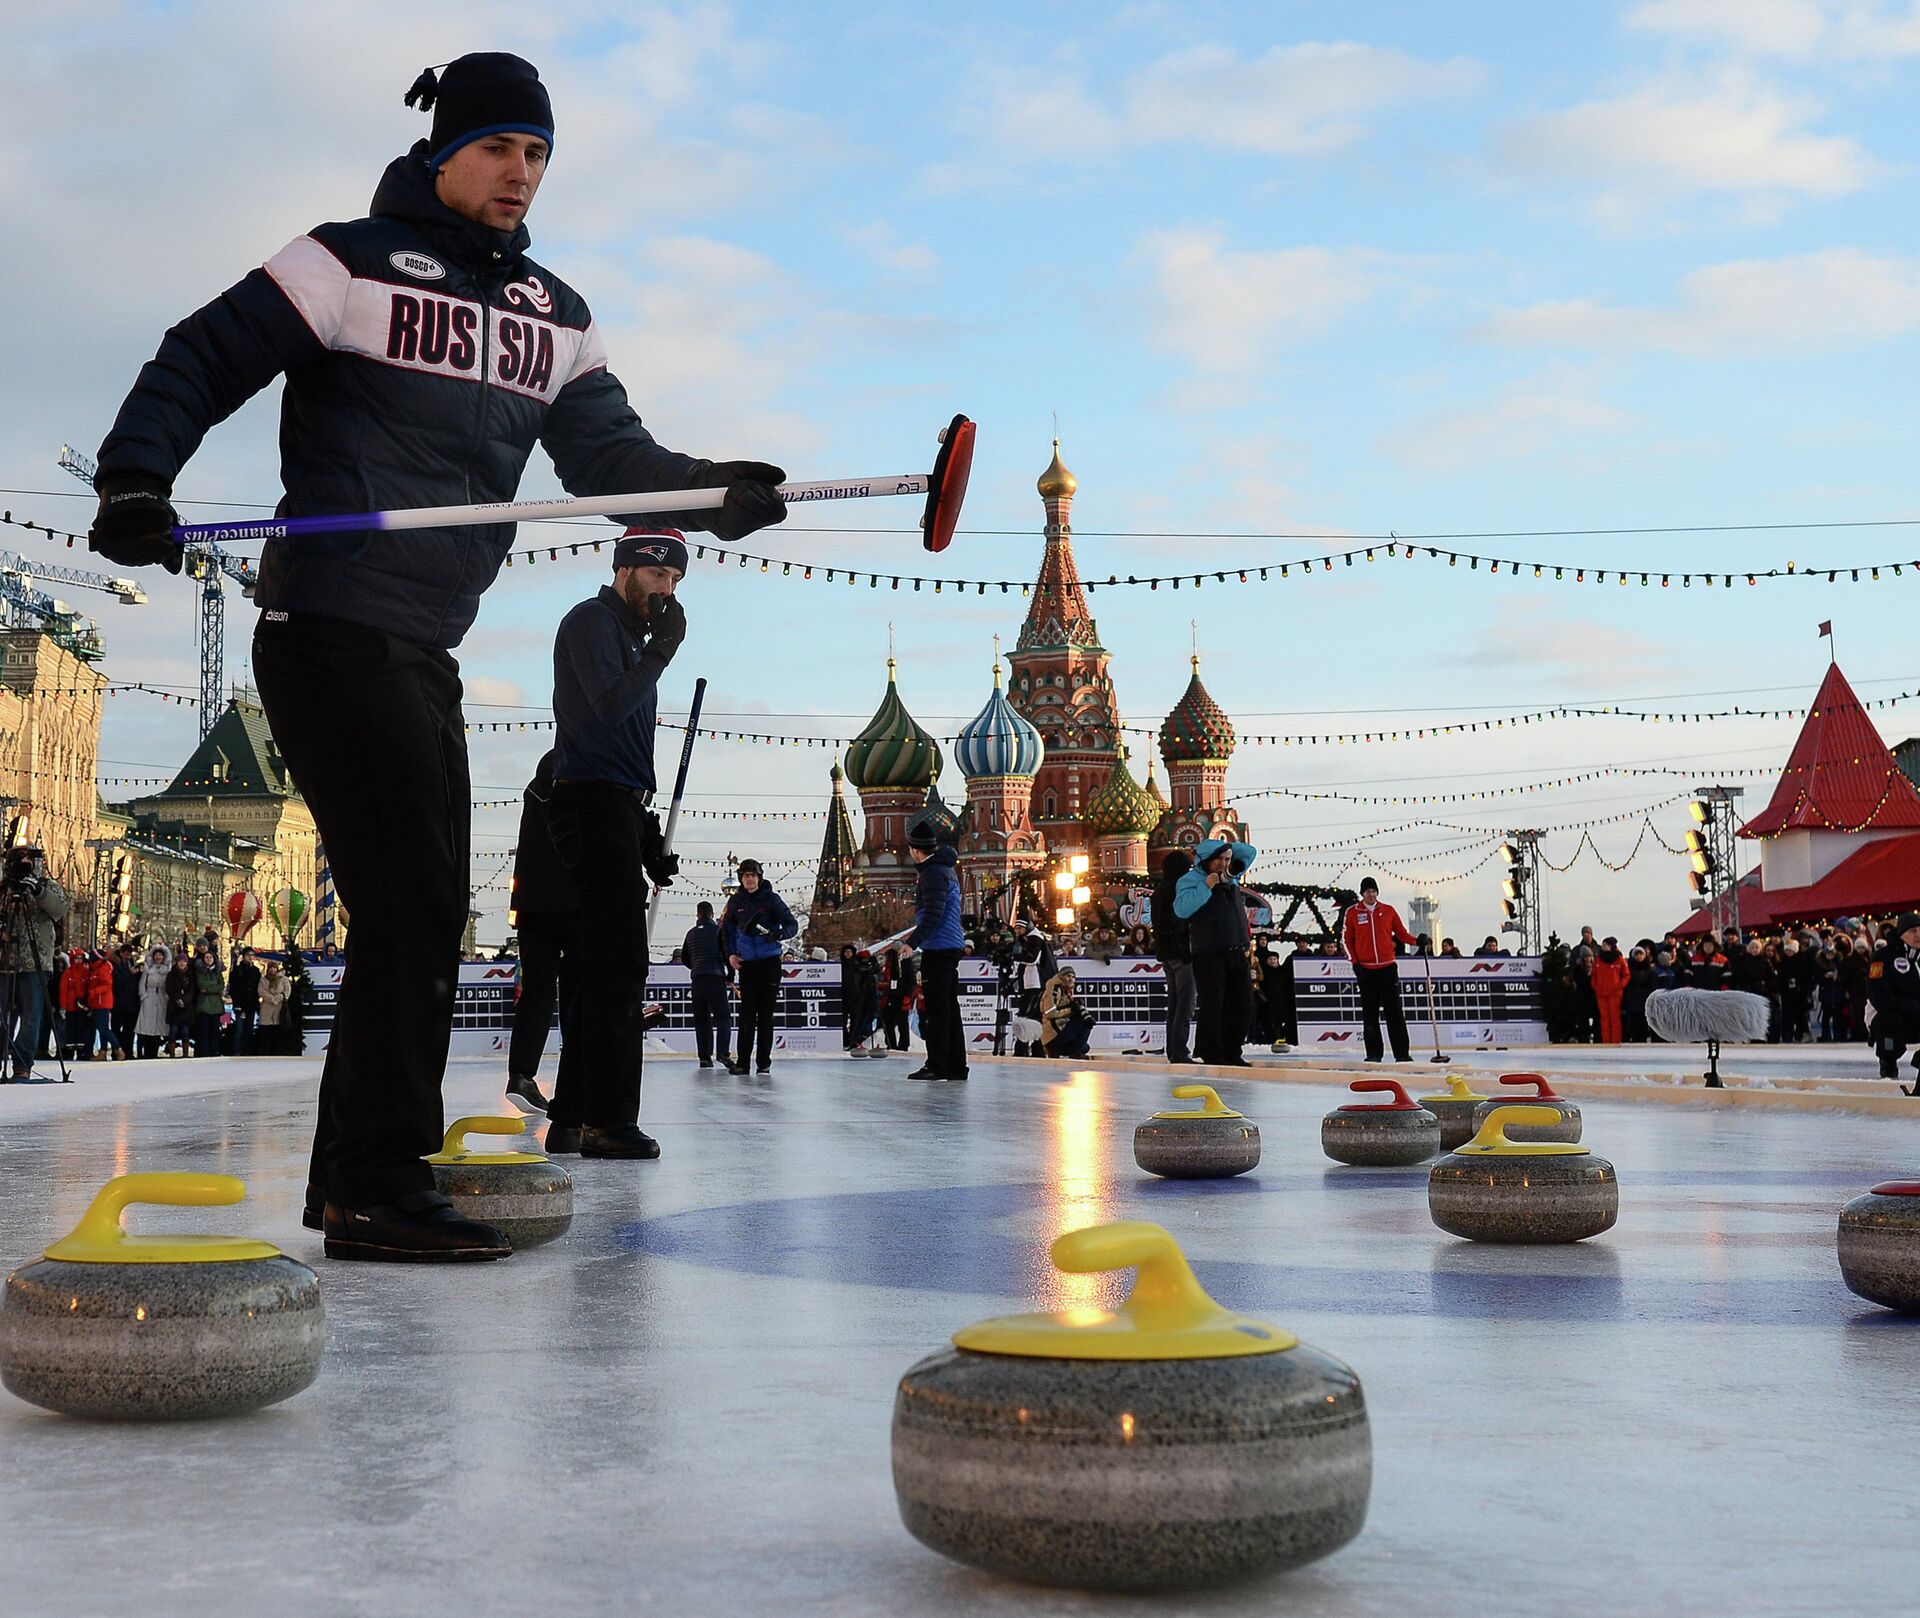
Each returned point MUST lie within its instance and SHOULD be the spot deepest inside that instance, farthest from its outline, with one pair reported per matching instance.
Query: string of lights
(1391, 546)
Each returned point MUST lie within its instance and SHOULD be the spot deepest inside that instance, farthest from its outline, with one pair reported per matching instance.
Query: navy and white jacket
(425, 354)
(762, 908)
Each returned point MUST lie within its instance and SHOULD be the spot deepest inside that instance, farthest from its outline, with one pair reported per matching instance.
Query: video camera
(19, 873)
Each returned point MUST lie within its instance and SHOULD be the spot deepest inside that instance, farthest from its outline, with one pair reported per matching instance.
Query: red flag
(1826, 628)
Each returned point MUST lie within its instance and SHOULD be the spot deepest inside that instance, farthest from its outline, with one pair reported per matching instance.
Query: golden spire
(996, 662)
(1057, 483)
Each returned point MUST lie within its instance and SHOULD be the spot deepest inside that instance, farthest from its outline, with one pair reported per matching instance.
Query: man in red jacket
(1370, 930)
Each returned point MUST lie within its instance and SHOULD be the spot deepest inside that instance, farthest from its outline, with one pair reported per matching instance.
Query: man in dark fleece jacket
(607, 661)
(425, 353)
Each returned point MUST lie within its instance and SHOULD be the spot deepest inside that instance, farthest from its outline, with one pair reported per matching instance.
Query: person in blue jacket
(754, 923)
(1209, 900)
(938, 936)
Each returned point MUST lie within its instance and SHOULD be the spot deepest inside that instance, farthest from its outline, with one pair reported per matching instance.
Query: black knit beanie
(485, 93)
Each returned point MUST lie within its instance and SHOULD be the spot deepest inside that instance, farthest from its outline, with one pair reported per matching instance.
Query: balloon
(287, 909)
(243, 910)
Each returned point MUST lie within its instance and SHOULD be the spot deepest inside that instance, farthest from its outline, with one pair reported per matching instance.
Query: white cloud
(1812, 303)
(1225, 311)
(1563, 650)
(881, 243)
(1851, 30)
(1293, 101)
(1644, 151)
(1769, 27)
(1296, 100)
(1524, 420)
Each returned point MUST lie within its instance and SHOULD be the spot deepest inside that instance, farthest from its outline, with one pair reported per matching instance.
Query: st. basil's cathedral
(1045, 761)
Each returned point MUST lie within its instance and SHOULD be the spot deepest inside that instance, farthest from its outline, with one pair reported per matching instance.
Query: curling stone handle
(1215, 1108)
(1459, 1090)
(1399, 1090)
(481, 1124)
(1165, 1296)
(1542, 1091)
(101, 1221)
(1493, 1133)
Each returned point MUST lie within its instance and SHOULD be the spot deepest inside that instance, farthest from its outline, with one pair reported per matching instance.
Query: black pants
(712, 1016)
(893, 1020)
(123, 1029)
(1223, 993)
(1380, 995)
(372, 731)
(1072, 1038)
(759, 988)
(597, 828)
(546, 974)
(206, 1033)
(940, 1013)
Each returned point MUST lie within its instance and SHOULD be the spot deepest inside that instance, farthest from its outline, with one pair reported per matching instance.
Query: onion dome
(997, 741)
(1057, 483)
(893, 751)
(1122, 808)
(1198, 727)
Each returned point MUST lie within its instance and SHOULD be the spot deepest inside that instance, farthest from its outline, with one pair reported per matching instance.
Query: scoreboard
(1485, 1001)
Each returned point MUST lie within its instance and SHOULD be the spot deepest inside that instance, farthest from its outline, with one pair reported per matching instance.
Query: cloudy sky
(1278, 270)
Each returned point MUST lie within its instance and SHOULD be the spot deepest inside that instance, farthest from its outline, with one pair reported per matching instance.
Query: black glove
(134, 528)
(751, 499)
(666, 626)
(28, 885)
(659, 865)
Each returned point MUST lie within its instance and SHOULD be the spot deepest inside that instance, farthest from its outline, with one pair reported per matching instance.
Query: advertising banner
(1485, 1001)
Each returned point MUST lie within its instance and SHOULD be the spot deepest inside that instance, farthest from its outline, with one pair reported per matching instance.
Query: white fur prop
(1691, 1016)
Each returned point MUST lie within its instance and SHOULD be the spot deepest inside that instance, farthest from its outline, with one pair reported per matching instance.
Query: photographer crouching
(31, 905)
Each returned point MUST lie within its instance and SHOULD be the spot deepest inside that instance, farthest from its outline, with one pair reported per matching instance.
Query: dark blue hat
(652, 547)
(485, 93)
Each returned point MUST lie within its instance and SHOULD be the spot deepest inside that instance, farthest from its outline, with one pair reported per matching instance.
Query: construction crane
(29, 608)
(205, 562)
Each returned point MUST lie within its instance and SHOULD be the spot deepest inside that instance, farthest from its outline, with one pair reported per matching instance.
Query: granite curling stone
(1389, 1134)
(1499, 1190)
(526, 1197)
(1209, 1144)
(1455, 1107)
(1566, 1131)
(1166, 1444)
(1880, 1245)
(163, 1327)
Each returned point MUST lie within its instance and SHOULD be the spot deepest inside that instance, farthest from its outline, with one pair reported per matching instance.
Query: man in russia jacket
(1371, 931)
(424, 354)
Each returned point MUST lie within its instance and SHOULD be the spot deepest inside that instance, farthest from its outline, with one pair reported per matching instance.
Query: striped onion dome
(893, 751)
(1198, 727)
(1122, 808)
(997, 741)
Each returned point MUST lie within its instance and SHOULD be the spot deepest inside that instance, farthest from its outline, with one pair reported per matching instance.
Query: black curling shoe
(524, 1095)
(562, 1138)
(617, 1140)
(418, 1229)
(313, 1214)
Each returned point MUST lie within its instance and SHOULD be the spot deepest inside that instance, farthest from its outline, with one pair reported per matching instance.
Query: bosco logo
(418, 265)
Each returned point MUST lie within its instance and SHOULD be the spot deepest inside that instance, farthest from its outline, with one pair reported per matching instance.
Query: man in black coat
(424, 354)
(704, 953)
(243, 989)
(1893, 991)
(126, 1000)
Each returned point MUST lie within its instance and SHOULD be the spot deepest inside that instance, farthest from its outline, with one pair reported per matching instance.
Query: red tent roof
(1877, 880)
(1840, 776)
